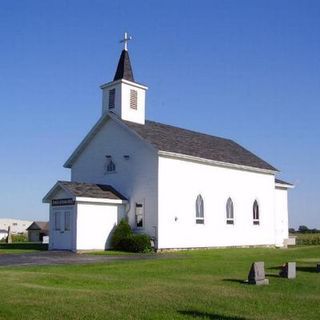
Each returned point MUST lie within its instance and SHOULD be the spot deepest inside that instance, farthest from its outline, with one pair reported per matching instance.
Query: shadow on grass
(312, 269)
(308, 269)
(206, 315)
(241, 281)
(272, 275)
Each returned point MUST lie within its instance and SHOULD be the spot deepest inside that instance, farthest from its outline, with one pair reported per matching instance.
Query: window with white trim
(256, 214)
(229, 211)
(199, 210)
(133, 99)
(112, 98)
(139, 213)
(57, 220)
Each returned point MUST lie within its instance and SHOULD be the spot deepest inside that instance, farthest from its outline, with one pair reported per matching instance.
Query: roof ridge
(191, 131)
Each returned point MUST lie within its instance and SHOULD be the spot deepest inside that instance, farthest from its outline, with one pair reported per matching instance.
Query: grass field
(21, 247)
(204, 284)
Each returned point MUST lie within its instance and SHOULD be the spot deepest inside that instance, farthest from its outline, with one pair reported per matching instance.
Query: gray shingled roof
(283, 182)
(124, 69)
(39, 225)
(172, 139)
(90, 190)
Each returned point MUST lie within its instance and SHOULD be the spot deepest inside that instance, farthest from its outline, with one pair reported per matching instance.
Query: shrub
(139, 243)
(120, 234)
(20, 237)
(125, 240)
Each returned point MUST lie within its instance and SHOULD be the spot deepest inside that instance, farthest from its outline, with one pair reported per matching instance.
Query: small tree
(303, 229)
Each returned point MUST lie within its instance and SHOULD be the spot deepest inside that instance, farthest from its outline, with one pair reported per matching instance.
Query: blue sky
(246, 70)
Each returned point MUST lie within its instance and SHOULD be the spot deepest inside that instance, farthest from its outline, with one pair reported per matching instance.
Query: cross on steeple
(126, 40)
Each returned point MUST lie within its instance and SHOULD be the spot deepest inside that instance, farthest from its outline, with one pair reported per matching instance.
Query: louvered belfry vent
(133, 99)
(112, 96)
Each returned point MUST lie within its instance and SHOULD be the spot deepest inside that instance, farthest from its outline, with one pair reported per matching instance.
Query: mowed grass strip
(198, 284)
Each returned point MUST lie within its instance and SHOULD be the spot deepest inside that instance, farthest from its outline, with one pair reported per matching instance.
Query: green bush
(139, 243)
(19, 237)
(120, 234)
(125, 240)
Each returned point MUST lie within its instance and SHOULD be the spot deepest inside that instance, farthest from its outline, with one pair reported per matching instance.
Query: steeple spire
(124, 69)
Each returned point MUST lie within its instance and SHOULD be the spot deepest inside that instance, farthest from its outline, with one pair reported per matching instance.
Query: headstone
(318, 267)
(257, 274)
(288, 270)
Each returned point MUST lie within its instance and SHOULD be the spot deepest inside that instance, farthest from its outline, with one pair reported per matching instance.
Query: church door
(62, 231)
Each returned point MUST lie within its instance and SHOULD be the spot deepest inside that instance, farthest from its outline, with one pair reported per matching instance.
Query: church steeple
(124, 69)
(123, 96)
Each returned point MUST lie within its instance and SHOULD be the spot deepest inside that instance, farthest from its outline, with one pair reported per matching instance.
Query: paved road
(64, 257)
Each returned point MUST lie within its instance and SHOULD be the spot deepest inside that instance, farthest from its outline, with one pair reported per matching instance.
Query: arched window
(255, 211)
(229, 211)
(109, 166)
(199, 210)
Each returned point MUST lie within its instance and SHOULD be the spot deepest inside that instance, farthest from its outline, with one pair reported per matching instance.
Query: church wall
(135, 177)
(281, 215)
(95, 223)
(181, 181)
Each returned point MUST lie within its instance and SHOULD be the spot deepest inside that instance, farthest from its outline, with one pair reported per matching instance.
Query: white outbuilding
(185, 189)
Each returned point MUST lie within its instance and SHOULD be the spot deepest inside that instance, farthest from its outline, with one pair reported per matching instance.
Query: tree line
(304, 229)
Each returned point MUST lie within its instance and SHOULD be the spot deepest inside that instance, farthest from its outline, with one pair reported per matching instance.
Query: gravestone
(288, 270)
(318, 267)
(257, 274)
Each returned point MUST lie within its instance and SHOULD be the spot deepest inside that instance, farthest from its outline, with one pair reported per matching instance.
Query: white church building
(183, 188)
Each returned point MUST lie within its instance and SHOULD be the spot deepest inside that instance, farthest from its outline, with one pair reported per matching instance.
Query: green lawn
(21, 247)
(202, 284)
(16, 251)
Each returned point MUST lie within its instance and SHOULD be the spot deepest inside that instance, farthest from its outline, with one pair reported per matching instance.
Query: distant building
(37, 230)
(17, 226)
(3, 234)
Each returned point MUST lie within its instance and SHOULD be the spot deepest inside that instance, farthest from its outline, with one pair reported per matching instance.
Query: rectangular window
(133, 99)
(139, 215)
(57, 222)
(67, 220)
(112, 96)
